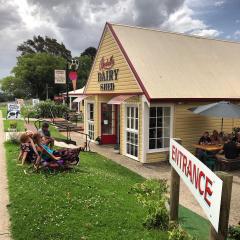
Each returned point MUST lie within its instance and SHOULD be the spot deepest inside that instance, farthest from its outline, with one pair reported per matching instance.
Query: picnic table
(209, 147)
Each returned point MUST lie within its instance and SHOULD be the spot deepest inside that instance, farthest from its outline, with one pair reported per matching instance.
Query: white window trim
(171, 126)
(87, 121)
(125, 130)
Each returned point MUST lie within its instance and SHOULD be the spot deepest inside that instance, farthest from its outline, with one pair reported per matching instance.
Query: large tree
(90, 51)
(13, 87)
(37, 72)
(44, 45)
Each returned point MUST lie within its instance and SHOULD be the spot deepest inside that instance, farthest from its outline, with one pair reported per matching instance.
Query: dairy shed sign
(201, 181)
(107, 74)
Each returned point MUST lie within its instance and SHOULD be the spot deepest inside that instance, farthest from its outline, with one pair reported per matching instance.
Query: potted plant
(98, 140)
(117, 148)
(13, 126)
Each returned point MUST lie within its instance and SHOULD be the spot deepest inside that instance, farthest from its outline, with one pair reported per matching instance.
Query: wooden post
(174, 192)
(224, 209)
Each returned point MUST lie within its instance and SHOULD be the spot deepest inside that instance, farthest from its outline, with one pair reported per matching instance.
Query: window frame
(90, 121)
(134, 131)
(171, 127)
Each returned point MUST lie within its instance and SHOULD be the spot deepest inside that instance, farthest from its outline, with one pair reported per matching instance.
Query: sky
(79, 23)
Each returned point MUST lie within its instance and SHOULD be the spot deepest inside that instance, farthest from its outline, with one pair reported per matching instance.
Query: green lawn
(20, 125)
(3, 108)
(90, 202)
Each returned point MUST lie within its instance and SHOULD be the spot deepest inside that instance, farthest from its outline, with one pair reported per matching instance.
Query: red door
(108, 123)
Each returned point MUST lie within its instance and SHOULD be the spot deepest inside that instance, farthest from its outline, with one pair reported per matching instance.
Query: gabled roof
(177, 66)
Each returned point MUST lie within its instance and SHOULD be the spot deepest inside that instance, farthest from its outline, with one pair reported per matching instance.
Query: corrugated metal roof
(172, 65)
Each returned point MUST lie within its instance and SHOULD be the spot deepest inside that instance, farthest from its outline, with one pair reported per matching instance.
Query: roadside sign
(205, 185)
(35, 101)
(60, 76)
(13, 111)
(20, 101)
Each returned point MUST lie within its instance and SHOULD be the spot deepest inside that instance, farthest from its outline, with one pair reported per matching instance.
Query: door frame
(111, 138)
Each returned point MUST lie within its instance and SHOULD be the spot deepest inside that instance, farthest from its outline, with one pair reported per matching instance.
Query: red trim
(193, 99)
(129, 61)
(113, 94)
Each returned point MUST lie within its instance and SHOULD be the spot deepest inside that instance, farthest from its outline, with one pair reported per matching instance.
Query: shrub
(178, 233)
(234, 232)
(152, 194)
(47, 108)
(29, 111)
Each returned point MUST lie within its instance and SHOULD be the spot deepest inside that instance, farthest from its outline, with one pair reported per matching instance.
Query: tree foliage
(44, 45)
(37, 72)
(14, 87)
(90, 51)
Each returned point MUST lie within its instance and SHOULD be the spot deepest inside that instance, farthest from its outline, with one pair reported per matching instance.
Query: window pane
(136, 152)
(152, 133)
(167, 132)
(167, 122)
(152, 143)
(159, 132)
(128, 112)
(159, 111)
(132, 123)
(159, 143)
(132, 111)
(136, 113)
(159, 122)
(152, 112)
(128, 122)
(136, 139)
(136, 124)
(152, 122)
(167, 111)
(166, 142)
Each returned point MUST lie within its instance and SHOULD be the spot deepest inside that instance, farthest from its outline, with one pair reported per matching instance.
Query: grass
(3, 108)
(91, 202)
(20, 125)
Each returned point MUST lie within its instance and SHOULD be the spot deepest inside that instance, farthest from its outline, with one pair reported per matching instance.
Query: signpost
(204, 184)
(35, 101)
(60, 76)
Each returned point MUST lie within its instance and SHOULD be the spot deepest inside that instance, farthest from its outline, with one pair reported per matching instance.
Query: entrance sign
(60, 76)
(201, 181)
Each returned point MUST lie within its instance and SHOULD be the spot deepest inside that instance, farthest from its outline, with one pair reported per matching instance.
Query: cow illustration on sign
(73, 66)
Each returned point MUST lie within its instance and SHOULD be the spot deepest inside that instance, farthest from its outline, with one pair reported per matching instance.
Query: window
(159, 127)
(132, 132)
(90, 120)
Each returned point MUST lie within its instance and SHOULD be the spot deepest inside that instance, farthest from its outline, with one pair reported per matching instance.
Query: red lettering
(173, 152)
(208, 191)
(189, 170)
(184, 164)
(180, 155)
(195, 176)
(201, 174)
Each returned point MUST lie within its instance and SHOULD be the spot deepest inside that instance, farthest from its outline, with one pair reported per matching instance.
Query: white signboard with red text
(201, 181)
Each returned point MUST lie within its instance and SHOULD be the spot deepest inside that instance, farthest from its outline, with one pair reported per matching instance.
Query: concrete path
(4, 198)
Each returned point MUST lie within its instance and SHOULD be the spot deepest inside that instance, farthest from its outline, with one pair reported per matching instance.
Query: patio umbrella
(221, 109)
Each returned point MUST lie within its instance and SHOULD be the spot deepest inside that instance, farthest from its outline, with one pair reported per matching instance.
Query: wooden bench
(225, 164)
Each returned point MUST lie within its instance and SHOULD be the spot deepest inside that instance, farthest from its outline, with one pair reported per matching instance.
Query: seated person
(28, 152)
(44, 131)
(230, 148)
(48, 155)
(215, 138)
(205, 139)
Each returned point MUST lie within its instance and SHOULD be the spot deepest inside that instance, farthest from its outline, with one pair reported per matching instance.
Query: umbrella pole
(222, 126)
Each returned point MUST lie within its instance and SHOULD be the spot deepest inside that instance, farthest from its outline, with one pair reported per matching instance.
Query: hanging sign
(205, 185)
(107, 75)
(73, 76)
(60, 76)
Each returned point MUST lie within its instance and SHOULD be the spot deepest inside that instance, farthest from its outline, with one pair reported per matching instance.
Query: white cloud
(219, 3)
(237, 21)
(237, 34)
(210, 33)
(183, 21)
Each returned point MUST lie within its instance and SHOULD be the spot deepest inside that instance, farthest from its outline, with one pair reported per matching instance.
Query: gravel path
(4, 199)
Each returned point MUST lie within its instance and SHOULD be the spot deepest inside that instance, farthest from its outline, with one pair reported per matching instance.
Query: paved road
(4, 199)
